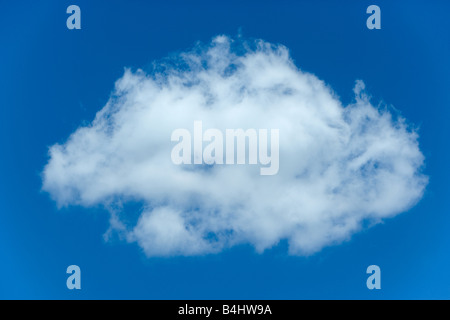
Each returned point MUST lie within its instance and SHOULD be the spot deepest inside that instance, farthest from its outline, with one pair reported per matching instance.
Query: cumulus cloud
(339, 166)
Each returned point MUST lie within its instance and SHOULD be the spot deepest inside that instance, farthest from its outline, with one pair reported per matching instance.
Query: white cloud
(339, 165)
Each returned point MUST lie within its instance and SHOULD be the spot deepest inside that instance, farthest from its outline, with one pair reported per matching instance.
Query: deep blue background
(53, 79)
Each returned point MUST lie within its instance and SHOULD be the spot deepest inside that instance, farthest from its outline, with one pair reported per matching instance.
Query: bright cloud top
(339, 166)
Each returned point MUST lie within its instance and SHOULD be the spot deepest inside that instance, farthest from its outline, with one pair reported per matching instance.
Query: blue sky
(53, 80)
